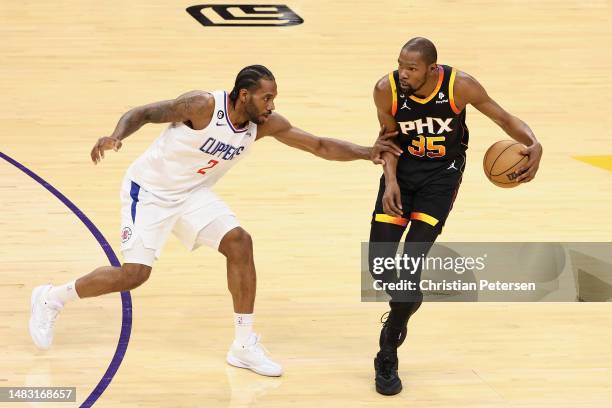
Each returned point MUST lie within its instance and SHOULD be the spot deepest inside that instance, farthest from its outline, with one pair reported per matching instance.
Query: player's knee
(236, 243)
(133, 275)
(421, 231)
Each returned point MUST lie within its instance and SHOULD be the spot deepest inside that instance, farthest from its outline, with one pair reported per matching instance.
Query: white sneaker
(43, 317)
(254, 357)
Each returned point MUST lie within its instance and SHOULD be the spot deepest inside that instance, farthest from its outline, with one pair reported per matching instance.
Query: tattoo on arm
(129, 123)
(180, 109)
(154, 113)
(177, 110)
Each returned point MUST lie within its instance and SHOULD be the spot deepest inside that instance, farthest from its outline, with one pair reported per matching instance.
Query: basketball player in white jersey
(168, 190)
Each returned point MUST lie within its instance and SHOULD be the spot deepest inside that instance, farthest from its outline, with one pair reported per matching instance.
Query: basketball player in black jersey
(425, 102)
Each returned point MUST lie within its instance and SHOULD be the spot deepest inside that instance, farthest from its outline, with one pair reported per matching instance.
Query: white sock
(243, 327)
(63, 294)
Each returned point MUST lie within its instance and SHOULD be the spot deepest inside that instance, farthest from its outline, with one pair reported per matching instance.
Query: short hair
(425, 47)
(248, 78)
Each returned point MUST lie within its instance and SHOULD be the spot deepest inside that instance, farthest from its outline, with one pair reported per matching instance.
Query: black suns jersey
(431, 129)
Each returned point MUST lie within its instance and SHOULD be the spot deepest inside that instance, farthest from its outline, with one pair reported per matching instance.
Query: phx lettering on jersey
(442, 125)
(219, 149)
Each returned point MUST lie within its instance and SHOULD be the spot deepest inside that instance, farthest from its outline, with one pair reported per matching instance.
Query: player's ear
(242, 95)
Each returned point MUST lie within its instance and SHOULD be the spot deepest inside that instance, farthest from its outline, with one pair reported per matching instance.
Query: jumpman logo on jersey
(452, 166)
(405, 106)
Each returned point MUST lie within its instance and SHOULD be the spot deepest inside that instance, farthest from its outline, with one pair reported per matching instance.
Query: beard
(409, 90)
(254, 115)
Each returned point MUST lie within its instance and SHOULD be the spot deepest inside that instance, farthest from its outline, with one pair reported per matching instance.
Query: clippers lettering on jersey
(219, 149)
(432, 126)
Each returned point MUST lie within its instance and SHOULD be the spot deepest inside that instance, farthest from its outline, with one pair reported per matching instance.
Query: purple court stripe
(126, 300)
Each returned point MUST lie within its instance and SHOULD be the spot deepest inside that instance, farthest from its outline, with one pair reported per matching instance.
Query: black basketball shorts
(428, 191)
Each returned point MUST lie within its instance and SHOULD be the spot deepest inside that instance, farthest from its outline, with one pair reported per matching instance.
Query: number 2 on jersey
(211, 164)
(426, 144)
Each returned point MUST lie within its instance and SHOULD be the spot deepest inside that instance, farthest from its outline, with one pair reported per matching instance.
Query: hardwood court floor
(71, 68)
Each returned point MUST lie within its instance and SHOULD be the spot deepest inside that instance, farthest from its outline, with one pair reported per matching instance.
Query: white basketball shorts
(147, 219)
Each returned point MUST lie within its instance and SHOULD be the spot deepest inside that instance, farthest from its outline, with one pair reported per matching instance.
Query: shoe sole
(231, 360)
(35, 294)
(392, 391)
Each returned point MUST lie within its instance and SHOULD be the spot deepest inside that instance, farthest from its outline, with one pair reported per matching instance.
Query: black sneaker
(387, 380)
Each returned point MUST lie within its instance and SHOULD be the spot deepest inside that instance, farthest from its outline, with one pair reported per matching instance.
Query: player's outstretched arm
(327, 148)
(469, 90)
(192, 106)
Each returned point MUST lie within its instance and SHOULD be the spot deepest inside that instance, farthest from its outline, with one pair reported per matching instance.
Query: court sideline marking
(126, 299)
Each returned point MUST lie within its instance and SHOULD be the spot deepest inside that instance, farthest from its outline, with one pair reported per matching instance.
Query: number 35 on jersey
(429, 144)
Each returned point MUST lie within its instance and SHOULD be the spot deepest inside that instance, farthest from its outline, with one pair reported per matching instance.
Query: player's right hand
(104, 143)
(384, 144)
(392, 200)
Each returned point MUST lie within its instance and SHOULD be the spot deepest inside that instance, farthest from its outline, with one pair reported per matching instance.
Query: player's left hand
(529, 170)
(384, 144)
(104, 143)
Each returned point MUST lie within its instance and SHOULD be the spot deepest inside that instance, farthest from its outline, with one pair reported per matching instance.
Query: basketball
(501, 162)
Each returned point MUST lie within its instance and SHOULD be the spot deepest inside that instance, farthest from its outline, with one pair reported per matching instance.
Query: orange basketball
(501, 162)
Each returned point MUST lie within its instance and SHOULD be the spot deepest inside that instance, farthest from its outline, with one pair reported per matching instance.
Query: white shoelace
(257, 347)
(51, 314)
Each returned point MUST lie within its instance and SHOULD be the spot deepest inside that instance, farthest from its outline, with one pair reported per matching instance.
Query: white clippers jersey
(182, 158)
